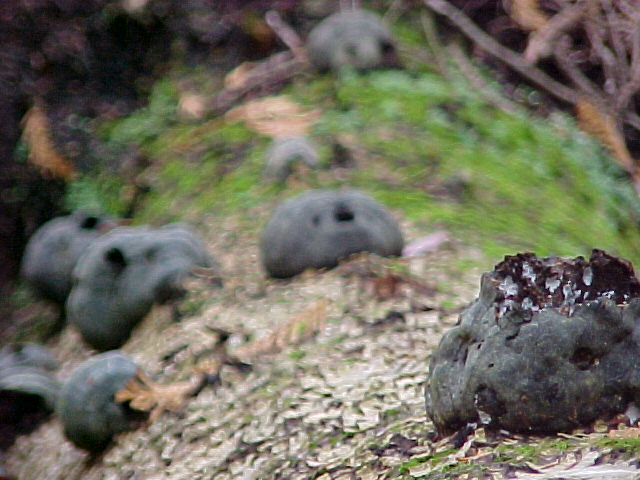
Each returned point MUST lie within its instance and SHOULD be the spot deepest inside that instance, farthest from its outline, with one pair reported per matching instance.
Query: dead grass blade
(42, 152)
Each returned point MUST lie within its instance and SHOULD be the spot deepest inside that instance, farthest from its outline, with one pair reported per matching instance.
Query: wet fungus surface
(550, 344)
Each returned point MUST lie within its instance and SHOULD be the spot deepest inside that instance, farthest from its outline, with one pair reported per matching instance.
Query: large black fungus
(87, 406)
(54, 249)
(123, 273)
(319, 227)
(550, 344)
(28, 389)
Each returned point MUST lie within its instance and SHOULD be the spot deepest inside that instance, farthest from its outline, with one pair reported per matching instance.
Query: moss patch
(422, 145)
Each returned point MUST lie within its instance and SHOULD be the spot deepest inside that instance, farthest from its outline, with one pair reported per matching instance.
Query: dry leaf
(528, 15)
(300, 327)
(387, 286)
(603, 126)
(275, 116)
(145, 395)
(192, 105)
(237, 78)
(385, 281)
(42, 152)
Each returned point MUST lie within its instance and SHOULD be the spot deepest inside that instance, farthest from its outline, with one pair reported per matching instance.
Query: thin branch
(433, 42)
(595, 32)
(273, 71)
(616, 39)
(562, 56)
(287, 34)
(541, 42)
(500, 52)
(632, 119)
(472, 75)
(631, 87)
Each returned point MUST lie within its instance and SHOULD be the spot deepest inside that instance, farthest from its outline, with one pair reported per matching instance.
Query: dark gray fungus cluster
(550, 344)
(54, 249)
(285, 153)
(318, 228)
(28, 389)
(87, 407)
(27, 370)
(355, 38)
(123, 273)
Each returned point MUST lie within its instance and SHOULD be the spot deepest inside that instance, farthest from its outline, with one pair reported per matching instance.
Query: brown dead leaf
(237, 78)
(300, 327)
(145, 395)
(603, 126)
(387, 286)
(527, 14)
(192, 105)
(275, 116)
(379, 278)
(42, 152)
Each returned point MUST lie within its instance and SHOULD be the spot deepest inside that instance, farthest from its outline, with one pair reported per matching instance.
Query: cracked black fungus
(526, 282)
(549, 345)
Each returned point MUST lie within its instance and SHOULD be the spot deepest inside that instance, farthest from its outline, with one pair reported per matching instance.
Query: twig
(541, 42)
(595, 32)
(433, 42)
(472, 75)
(562, 56)
(277, 69)
(287, 34)
(500, 52)
(630, 88)
(632, 119)
(615, 39)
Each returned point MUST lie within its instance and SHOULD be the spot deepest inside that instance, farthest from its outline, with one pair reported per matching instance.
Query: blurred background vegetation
(431, 141)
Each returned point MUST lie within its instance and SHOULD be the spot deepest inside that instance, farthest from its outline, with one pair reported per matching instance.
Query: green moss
(149, 122)
(413, 462)
(433, 459)
(297, 354)
(96, 193)
(519, 453)
(630, 446)
(427, 147)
